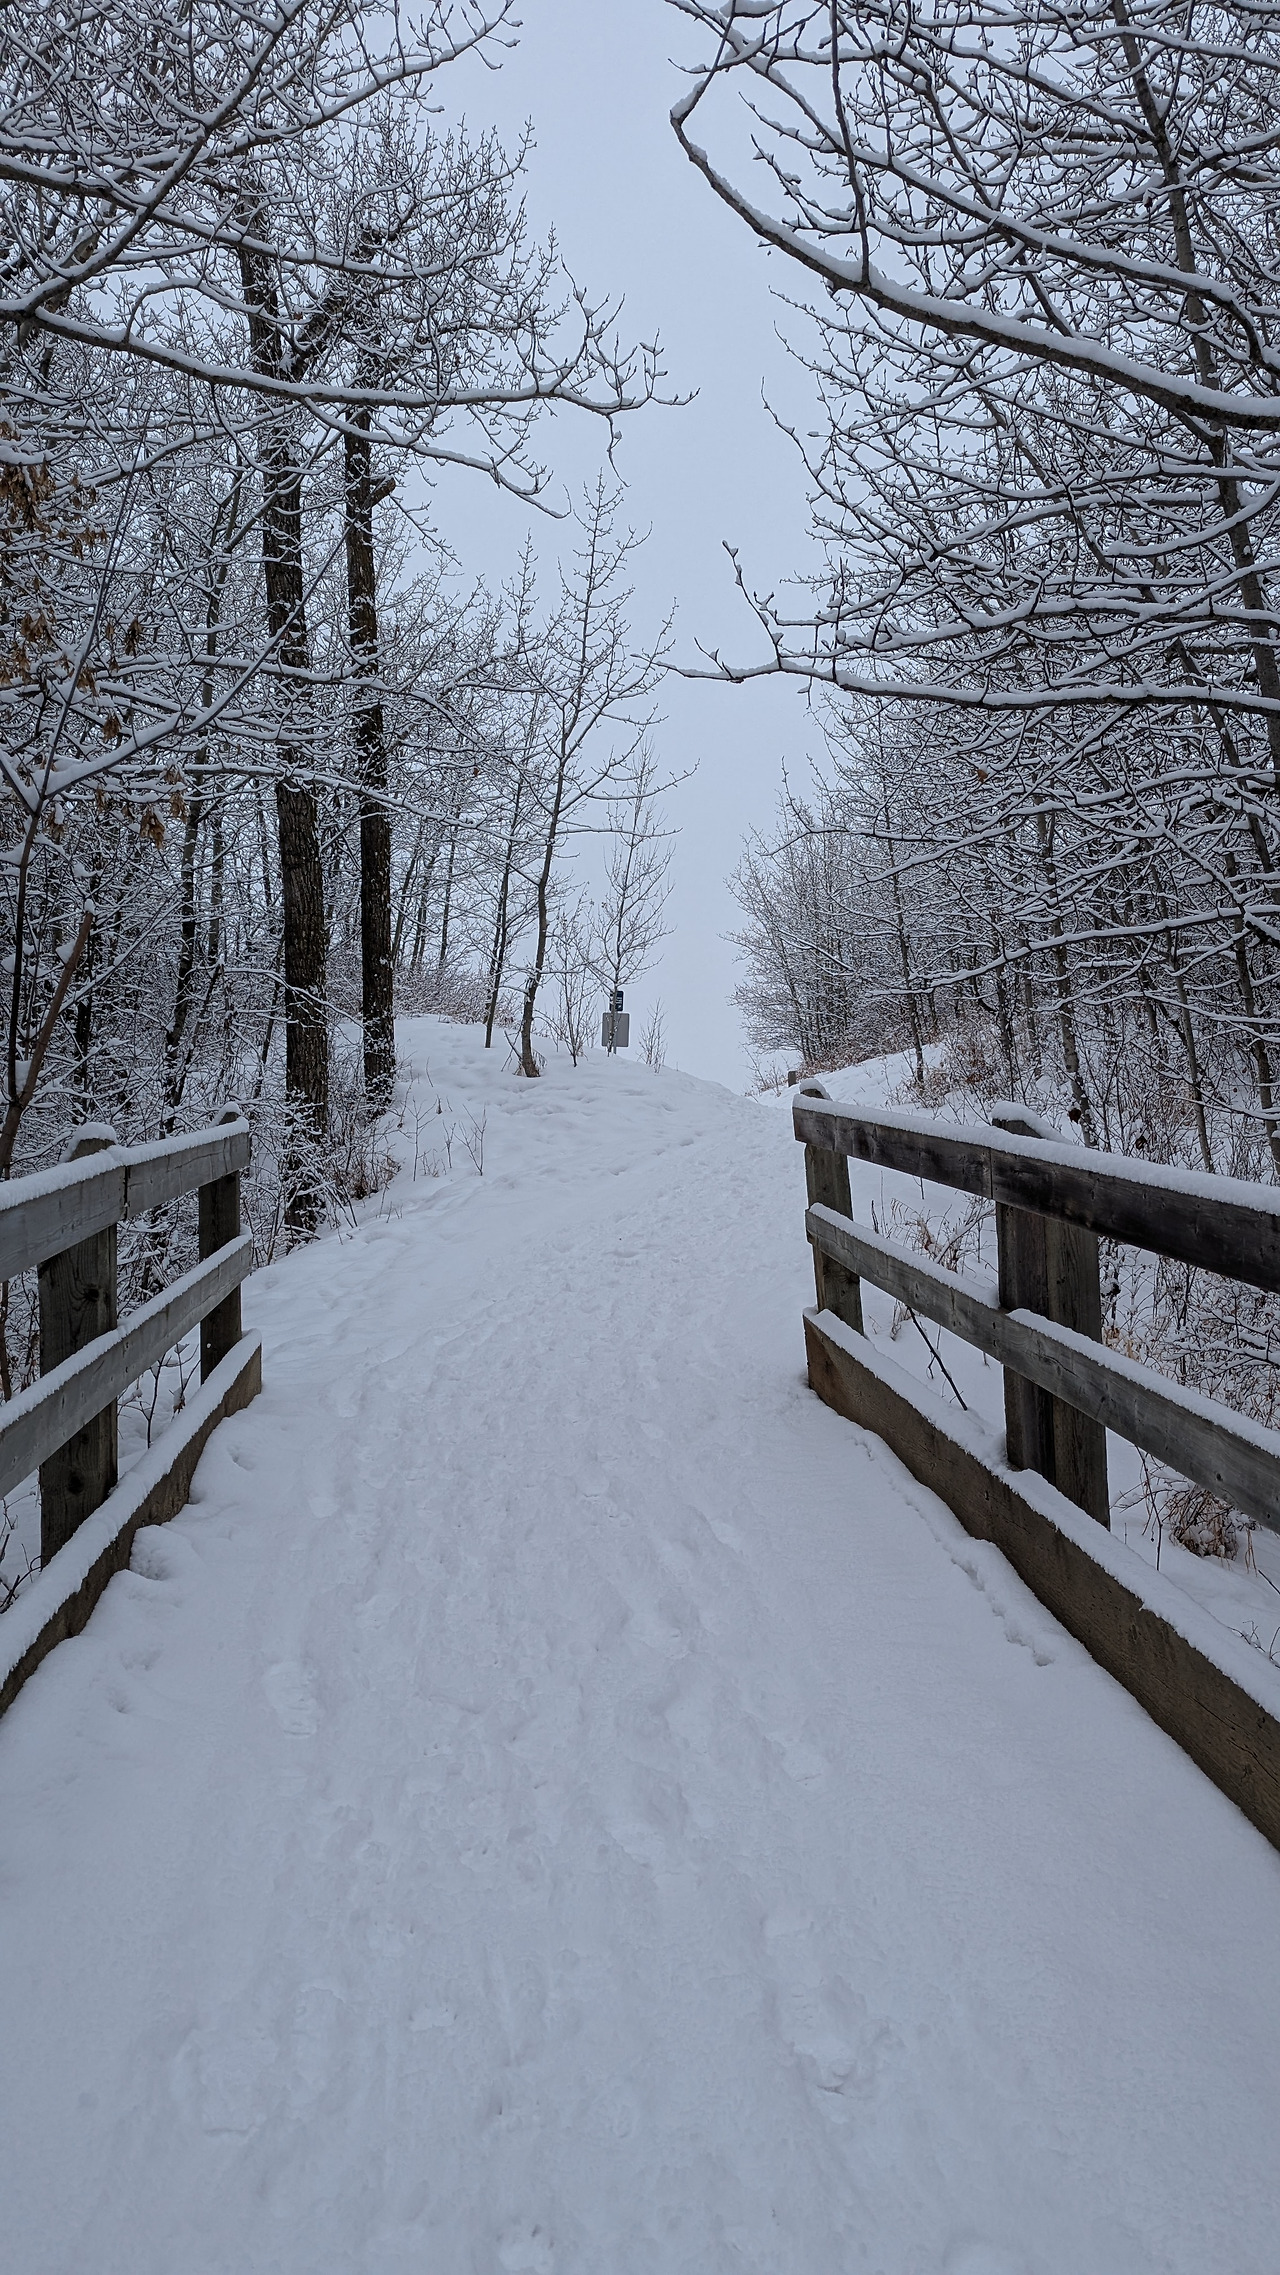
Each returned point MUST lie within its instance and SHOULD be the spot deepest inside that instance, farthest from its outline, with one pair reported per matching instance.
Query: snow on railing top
(42, 1214)
(1222, 1224)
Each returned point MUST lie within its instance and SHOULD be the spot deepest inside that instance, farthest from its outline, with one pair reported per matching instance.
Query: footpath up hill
(560, 1800)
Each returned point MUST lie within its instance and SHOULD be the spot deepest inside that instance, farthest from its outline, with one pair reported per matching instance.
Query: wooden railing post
(1051, 1267)
(221, 1329)
(78, 1303)
(827, 1178)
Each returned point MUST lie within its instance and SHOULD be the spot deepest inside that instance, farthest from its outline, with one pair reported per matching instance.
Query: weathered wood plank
(51, 1211)
(1221, 1224)
(1075, 1301)
(1050, 1268)
(41, 1419)
(77, 1304)
(1022, 1251)
(42, 1215)
(160, 1173)
(827, 1182)
(1130, 1620)
(219, 1224)
(1223, 1451)
(59, 1600)
(961, 1158)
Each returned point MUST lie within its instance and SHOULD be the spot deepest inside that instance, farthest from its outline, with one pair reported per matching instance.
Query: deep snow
(560, 1800)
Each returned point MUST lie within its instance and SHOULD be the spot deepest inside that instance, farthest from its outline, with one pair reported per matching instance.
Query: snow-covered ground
(561, 1800)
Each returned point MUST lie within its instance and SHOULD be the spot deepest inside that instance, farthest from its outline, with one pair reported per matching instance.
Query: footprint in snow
(525, 2250)
(292, 1699)
(221, 2076)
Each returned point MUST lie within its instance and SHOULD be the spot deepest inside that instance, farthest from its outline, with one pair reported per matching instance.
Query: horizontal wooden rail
(1223, 1451)
(53, 1210)
(1042, 1495)
(1221, 1224)
(41, 1419)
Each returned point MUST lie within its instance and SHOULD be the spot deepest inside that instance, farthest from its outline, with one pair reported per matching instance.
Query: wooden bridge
(549, 1712)
(1063, 1390)
(1041, 1494)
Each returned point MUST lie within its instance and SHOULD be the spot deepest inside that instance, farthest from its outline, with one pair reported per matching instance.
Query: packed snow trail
(561, 1800)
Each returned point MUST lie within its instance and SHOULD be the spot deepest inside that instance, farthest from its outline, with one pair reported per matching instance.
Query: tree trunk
(1004, 1013)
(83, 1029)
(904, 957)
(501, 928)
(1263, 1068)
(1195, 1081)
(448, 900)
(528, 1061)
(406, 887)
(1065, 991)
(217, 874)
(185, 984)
(301, 870)
(196, 808)
(376, 964)
(306, 1034)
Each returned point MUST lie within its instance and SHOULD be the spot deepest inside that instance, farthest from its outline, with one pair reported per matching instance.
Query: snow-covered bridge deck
(562, 1800)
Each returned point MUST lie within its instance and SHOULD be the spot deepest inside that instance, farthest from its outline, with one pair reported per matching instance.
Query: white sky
(595, 80)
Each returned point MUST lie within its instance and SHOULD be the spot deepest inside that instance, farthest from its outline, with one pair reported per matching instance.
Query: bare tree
(1048, 477)
(591, 684)
(628, 918)
(248, 206)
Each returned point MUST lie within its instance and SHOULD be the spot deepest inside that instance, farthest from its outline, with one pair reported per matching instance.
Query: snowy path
(561, 1801)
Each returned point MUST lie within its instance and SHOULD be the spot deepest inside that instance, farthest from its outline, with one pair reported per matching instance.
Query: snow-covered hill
(561, 1800)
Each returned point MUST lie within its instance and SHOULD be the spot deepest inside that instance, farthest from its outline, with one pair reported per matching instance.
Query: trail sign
(615, 1030)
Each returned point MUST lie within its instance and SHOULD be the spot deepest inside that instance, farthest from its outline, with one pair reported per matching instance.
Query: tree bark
(376, 962)
(528, 1058)
(301, 870)
(501, 926)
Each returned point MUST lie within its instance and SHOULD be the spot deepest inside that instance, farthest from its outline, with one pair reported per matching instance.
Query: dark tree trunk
(376, 962)
(175, 1076)
(185, 988)
(306, 1033)
(448, 900)
(406, 887)
(904, 957)
(501, 928)
(84, 1030)
(528, 1056)
(301, 869)
(217, 877)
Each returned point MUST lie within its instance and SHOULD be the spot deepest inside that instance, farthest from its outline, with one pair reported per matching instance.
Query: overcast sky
(595, 80)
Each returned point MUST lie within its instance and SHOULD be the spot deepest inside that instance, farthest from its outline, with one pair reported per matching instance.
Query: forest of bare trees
(271, 757)
(1037, 253)
(1044, 479)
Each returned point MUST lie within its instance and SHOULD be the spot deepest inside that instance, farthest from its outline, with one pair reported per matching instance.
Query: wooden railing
(63, 1222)
(1063, 1388)
(1043, 1317)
